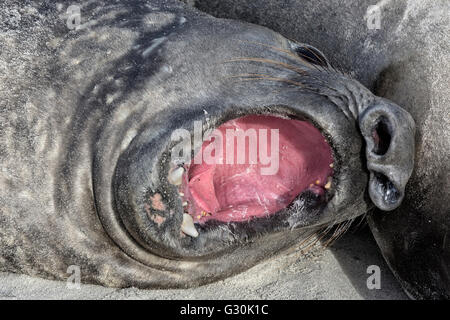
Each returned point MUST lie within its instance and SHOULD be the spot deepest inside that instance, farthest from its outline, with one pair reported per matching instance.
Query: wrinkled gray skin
(86, 120)
(406, 61)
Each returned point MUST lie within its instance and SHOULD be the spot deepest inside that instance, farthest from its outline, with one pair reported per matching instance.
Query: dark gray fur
(406, 61)
(86, 120)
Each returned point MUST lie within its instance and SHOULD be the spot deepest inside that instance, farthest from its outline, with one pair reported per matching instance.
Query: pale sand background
(335, 273)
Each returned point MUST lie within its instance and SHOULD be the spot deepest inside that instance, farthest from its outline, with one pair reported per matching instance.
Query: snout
(389, 134)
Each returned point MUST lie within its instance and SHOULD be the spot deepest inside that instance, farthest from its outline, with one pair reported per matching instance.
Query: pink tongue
(238, 192)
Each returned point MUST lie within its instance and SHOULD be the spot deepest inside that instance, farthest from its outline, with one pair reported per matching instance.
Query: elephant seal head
(132, 94)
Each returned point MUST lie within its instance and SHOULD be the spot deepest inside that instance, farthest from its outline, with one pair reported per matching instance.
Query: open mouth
(253, 167)
(251, 174)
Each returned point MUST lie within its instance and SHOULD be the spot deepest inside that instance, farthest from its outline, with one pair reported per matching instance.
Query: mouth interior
(227, 190)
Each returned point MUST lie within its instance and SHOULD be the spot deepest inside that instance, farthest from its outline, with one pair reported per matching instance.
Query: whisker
(335, 233)
(362, 222)
(250, 77)
(289, 53)
(303, 58)
(321, 235)
(264, 60)
(341, 230)
(315, 55)
(312, 64)
(306, 239)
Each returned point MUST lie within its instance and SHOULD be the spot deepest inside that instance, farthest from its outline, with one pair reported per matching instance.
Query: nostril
(386, 188)
(381, 136)
(388, 132)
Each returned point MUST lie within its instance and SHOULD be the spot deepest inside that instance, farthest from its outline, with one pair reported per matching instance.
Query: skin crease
(86, 122)
(406, 61)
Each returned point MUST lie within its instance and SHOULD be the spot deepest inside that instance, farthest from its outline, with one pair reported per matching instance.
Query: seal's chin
(253, 167)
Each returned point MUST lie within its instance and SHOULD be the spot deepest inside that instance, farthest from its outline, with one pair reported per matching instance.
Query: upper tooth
(188, 226)
(328, 185)
(175, 176)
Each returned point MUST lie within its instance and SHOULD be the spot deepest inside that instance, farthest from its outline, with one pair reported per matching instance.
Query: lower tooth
(328, 185)
(187, 226)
